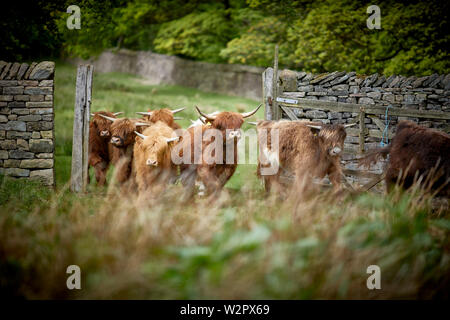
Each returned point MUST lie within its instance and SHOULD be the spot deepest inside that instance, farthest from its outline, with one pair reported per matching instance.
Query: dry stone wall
(409, 93)
(239, 80)
(27, 120)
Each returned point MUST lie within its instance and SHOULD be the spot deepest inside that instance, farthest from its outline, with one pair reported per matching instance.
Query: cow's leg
(390, 179)
(335, 176)
(100, 173)
(302, 188)
(267, 184)
(209, 179)
(188, 176)
(226, 175)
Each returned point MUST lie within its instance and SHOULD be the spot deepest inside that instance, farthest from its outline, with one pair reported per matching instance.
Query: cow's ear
(314, 129)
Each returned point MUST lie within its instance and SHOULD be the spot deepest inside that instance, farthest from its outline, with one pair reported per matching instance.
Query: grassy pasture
(244, 246)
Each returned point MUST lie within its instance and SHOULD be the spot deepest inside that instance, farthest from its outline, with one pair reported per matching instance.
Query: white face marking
(115, 140)
(335, 151)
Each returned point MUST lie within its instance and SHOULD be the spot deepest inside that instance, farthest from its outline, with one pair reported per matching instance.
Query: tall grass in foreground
(244, 246)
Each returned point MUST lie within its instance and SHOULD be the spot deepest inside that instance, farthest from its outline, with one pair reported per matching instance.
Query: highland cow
(123, 138)
(417, 154)
(101, 152)
(306, 150)
(152, 163)
(212, 173)
(164, 115)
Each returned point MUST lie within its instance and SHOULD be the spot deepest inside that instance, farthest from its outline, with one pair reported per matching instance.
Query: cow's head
(163, 115)
(331, 137)
(101, 124)
(229, 123)
(122, 131)
(155, 147)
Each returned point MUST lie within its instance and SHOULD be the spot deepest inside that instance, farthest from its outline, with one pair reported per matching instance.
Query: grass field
(244, 246)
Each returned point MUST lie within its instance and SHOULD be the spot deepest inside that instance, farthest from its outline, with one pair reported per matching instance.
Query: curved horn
(349, 125)
(117, 113)
(207, 117)
(140, 135)
(140, 124)
(253, 123)
(177, 110)
(144, 113)
(108, 118)
(202, 120)
(314, 127)
(92, 114)
(193, 121)
(178, 118)
(172, 139)
(249, 114)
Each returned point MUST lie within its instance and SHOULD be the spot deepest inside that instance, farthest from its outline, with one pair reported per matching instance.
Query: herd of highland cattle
(142, 149)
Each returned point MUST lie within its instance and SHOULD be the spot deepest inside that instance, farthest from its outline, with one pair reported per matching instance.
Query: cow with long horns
(209, 152)
(165, 115)
(152, 164)
(101, 152)
(306, 150)
(123, 138)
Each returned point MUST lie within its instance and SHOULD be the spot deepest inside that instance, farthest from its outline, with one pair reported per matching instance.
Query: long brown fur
(101, 153)
(124, 130)
(213, 176)
(303, 152)
(152, 180)
(416, 151)
(163, 115)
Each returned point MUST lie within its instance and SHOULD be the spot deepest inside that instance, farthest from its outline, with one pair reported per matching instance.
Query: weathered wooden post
(276, 112)
(80, 146)
(267, 83)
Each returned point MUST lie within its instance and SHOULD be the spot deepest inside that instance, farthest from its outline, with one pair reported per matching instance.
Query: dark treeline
(314, 36)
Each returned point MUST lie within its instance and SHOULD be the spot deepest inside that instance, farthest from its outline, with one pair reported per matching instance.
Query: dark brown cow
(306, 150)
(123, 138)
(416, 152)
(101, 153)
(163, 115)
(213, 175)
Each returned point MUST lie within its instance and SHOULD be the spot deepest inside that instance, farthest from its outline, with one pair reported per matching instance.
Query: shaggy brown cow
(416, 152)
(213, 175)
(164, 115)
(101, 153)
(123, 138)
(152, 163)
(305, 149)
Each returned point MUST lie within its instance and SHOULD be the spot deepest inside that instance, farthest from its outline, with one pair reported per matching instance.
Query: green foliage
(28, 30)
(197, 35)
(314, 36)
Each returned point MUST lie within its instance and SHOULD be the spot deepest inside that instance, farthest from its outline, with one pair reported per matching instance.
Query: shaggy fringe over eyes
(102, 123)
(122, 127)
(228, 120)
(334, 132)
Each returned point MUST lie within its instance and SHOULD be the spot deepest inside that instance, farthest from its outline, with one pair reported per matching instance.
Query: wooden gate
(277, 102)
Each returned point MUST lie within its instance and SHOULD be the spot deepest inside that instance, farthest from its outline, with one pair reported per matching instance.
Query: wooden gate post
(267, 82)
(276, 112)
(80, 146)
